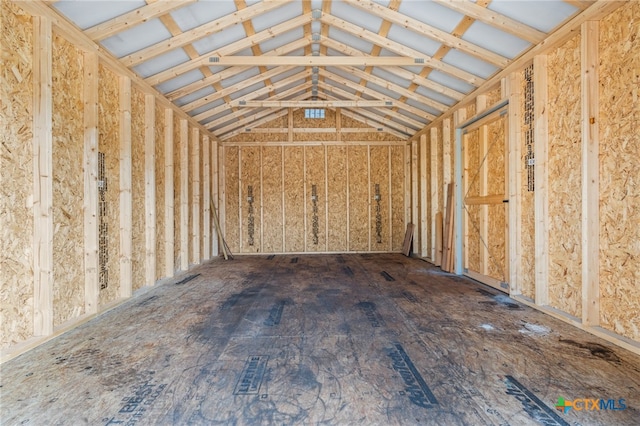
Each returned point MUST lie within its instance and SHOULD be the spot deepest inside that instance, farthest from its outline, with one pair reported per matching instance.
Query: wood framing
(90, 202)
(415, 196)
(184, 195)
(424, 191)
(150, 189)
(126, 201)
(169, 193)
(514, 180)
(42, 179)
(435, 188)
(590, 175)
(215, 178)
(206, 198)
(541, 195)
(195, 191)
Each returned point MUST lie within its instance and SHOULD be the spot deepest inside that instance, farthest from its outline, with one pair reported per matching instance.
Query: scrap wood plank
(408, 237)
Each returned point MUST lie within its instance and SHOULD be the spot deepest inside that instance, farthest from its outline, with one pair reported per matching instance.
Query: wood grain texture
(294, 199)
(358, 199)
(397, 188)
(272, 226)
(232, 207)
(160, 172)
(250, 178)
(337, 203)
(564, 165)
(315, 176)
(619, 163)
(109, 144)
(68, 136)
(16, 176)
(137, 193)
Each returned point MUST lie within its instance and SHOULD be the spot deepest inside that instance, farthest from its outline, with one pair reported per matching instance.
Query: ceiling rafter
(231, 71)
(398, 71)
(239, 115)
(458, 31)
(260, 78)
(494, 19)
(432, 32)
(402, 50)
(229, 49)
(257, 119)
(384, 112)
(379, 120)
(373, 93)
(385, 27)
(175, 29)
(198, 33)
(134, 18)
(370, 78)
(249, 31)
(263, 91)
(388, 128)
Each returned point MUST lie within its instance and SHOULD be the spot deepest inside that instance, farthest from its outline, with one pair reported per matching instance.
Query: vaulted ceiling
(390, 64)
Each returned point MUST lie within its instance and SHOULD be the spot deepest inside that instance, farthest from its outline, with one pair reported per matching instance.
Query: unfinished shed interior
(320, 211)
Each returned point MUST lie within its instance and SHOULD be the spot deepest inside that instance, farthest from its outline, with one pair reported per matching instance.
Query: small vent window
(314, 113)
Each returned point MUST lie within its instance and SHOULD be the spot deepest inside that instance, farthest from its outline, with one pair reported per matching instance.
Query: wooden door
(485, 224)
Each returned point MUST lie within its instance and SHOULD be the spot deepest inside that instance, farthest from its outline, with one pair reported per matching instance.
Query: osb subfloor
(350, 339)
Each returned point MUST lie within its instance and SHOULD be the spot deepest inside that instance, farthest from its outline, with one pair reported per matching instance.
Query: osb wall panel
(160, 195)
(440, 171)
(109, 144)
(379, 225)
(337, 198)
(16, 176)
(398, 226)
(527, 233)
(619, 181)
(493, 96)
(564, 168)
(472, 183)
(272, 227)
(68, 184)
(251, 201)
(293, 199)
(316, 222)
(232, 208)
(137, 190)
(496, 220)
(176, 192)
(358, 198)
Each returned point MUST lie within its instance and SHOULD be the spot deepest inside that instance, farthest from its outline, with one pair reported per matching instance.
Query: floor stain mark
(146, 301)
(415, 386)
(596, 349)
(347, 270)
(294, 260)
(252, 375)
(386, 276)
(187, 279)
(271, 257)
(532, 405)
(410, 297)
(370, 311)
(340, 259)
(275, 313)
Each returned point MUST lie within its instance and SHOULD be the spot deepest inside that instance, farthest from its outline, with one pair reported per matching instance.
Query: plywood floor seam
(321, 339)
